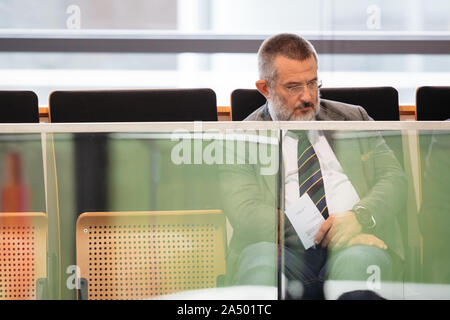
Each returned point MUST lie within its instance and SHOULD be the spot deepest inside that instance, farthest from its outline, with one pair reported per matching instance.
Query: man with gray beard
(359, 189)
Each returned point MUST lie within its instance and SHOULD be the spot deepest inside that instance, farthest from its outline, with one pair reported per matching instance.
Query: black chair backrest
(381, 103)
(244, 102)
(433, 103)
(19, 107)
(133, 105)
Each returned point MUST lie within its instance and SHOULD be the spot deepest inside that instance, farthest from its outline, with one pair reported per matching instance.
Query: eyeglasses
(299, 89)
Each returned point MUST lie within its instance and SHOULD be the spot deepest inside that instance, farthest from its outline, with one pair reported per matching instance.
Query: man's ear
(263, 87)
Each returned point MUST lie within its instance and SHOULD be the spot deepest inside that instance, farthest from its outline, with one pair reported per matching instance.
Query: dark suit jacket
(369, 164)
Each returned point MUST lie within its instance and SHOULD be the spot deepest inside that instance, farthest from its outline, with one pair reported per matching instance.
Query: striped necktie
(309, 173)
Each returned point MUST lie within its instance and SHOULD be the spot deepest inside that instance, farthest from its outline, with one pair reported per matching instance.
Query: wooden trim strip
(225, 111)
(407, 110)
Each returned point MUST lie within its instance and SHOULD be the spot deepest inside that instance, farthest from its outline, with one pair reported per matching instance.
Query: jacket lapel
(347, 150)
(269, 180)
(265, 115)
(325, 114)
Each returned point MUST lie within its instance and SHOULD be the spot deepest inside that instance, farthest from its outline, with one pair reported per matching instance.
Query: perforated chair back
(23, 254)
(381, 103)
(136, 255)
(19, 107)
(133, 105)
(433, 103)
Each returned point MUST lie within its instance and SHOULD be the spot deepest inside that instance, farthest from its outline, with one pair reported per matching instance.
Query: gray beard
(279, 113)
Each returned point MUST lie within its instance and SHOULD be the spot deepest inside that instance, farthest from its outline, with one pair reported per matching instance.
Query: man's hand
(337, 230)
(367, 240)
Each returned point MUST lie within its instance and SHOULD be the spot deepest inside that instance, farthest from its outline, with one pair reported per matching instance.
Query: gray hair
(288, 45)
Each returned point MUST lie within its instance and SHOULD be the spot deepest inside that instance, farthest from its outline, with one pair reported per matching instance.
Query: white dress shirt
(340, 194)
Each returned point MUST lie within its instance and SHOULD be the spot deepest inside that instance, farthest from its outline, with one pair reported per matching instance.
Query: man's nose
(306, 95)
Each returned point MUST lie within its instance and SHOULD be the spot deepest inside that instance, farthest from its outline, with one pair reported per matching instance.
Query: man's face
(294, 94)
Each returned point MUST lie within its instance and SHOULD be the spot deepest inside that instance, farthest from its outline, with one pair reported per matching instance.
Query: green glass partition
(23, 217)
(434, 211)
(173, 195)
(346, 218)
(217, 210)
(22, 173)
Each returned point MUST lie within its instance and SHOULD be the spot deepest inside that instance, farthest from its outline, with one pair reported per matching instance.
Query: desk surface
(229, 293)
(333, 289)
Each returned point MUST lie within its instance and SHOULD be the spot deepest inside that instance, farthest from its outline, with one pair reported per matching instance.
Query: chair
(244, 102)
(133, 105)
(120, 106)
(433, 103)
(381, 103)
(137, 255)
(19, 107)
(23, 255)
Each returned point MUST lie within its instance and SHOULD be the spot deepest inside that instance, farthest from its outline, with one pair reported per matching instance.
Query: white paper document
(306, 219)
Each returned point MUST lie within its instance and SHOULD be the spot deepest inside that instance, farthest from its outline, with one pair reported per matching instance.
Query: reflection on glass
(23, 221)
(21, 173)
(15, 191)
(345, 195)
(249, 183)
(150, 214)
(197, 215)
(434, 212)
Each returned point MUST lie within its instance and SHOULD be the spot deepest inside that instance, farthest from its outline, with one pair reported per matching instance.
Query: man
(359, 188)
